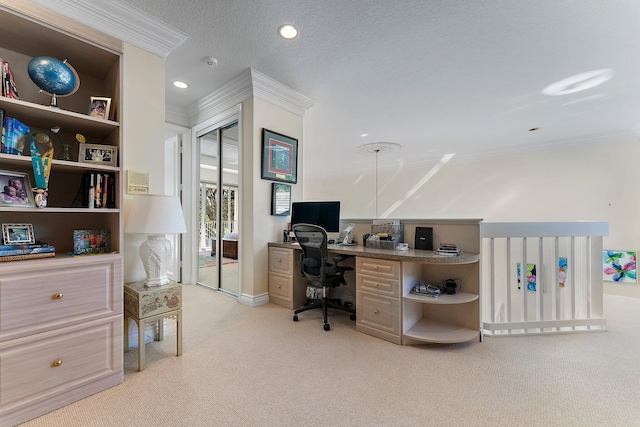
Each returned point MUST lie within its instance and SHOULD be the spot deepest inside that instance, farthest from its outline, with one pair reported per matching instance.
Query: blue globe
(53, 76)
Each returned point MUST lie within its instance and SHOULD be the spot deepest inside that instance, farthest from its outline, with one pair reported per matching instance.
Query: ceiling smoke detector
(211, 61)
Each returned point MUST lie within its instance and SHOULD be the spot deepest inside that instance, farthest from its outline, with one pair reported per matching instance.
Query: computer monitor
(324, 214)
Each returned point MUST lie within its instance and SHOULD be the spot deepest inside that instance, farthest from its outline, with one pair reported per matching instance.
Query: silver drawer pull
(57, 296)
(375, 312)
(375, 285)
(57, 363)
(279, 286)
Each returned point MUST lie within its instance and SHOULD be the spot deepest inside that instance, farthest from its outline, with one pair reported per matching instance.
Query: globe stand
(54, 101)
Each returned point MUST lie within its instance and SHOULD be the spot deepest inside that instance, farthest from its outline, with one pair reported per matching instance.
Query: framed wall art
(105, 155)
(15, 190)
(619, 266)
(280, 199)
(17, 234)
(99, 107)
(279, 157)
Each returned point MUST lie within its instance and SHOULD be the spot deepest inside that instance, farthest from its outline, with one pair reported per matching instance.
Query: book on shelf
(27, 251)
(2, 114)
(97, 190)
(37, 244)
(26, 256)
(16, 134)
(9, 88)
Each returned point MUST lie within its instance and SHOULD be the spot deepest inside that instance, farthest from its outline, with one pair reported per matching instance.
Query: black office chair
(314, 265)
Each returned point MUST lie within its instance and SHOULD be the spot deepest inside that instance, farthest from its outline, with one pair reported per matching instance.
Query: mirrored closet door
(218, 210)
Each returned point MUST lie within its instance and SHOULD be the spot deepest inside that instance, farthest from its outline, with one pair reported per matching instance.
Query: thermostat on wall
(137, 182)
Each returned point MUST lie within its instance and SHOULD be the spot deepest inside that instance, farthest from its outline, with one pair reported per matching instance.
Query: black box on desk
(424, 238)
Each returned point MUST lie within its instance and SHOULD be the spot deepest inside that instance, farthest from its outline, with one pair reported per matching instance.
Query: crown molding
(247, 84)
(276, 93)
(176, 115)
(231, 93)
(122, 21)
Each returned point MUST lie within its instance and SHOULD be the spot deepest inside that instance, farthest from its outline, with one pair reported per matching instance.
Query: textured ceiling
(435, 76)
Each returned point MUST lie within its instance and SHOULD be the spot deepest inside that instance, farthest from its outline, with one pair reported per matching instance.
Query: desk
(384, 278)
(152, 304)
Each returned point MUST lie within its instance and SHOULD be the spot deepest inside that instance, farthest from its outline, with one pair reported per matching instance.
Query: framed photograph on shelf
(89, 242)
(17, 234)
(99, 107)
(15, 190)
(105, 155)
(280, 199)
(279, 157)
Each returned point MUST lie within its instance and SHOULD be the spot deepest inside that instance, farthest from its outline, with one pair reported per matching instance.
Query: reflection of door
(218, 209)
(171, 187)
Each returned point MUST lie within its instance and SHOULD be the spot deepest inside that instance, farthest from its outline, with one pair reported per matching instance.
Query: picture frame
(279, 157)
(106, 155)
(17, 234)
(15, 190)
(90, 242)
(99, 107)
(280, 199)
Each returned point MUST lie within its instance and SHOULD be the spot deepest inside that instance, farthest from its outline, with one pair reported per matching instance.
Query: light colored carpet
(247, 366)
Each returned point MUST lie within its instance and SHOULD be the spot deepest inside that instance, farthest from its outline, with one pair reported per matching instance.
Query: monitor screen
(324, 214)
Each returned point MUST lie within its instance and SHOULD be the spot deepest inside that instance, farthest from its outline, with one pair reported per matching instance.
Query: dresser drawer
(381, 268)
(34, 368)
(378, 312)
(281, 260)
(37, 300)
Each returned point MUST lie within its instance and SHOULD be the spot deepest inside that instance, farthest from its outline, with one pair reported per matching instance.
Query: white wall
(591, 183)
(143, 127)
(265, 228)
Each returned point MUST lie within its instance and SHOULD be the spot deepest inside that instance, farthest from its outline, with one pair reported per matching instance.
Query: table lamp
(155, 215)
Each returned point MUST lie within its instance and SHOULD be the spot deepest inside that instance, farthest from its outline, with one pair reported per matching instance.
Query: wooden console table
(152, 304)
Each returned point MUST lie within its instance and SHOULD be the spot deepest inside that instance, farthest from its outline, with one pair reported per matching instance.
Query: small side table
(152, 304)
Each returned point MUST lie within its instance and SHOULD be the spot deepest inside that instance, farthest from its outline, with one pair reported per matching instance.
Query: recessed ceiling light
(288, 31)
(364, 134)
(578, 82)
(181, 85)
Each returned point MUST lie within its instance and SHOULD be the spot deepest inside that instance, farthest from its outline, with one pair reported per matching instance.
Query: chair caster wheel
(352, 317)
(327, 327)
(295, 317)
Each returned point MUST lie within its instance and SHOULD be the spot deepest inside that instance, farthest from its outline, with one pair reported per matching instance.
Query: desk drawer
(280, 286)
(378, 267)
(52, 362)
(281, 260)
(378, 312)
(377, 285)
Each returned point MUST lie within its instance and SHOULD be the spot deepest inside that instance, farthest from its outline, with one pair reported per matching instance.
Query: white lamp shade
(155, 214)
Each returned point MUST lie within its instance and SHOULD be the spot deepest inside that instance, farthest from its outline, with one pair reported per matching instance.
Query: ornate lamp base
(155, 253)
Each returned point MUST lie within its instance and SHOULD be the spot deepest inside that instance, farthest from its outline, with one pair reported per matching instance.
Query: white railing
(209, 231)
(559, 290)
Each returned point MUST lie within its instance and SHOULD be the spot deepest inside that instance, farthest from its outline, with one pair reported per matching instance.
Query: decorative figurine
(40, 197)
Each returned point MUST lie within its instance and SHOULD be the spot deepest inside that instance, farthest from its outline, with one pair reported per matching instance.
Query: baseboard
(253, 300)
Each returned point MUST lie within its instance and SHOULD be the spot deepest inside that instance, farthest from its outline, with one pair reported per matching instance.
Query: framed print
(280, 199)
(279, 157)
(86, 242)
(619, 266)
(99, 107)
(15, 190)
(105, 155)
(16, 234)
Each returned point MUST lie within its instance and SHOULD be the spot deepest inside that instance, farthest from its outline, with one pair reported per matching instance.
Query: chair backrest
(313, 243)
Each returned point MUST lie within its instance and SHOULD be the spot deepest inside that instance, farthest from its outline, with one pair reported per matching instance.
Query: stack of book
(448, 249)
(26, 251)
(9, 88)
(97, 190)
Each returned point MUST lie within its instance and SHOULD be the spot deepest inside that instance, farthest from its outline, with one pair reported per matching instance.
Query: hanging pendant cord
(377, 151)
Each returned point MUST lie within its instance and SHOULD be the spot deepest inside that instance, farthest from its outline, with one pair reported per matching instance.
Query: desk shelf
(433, 331)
